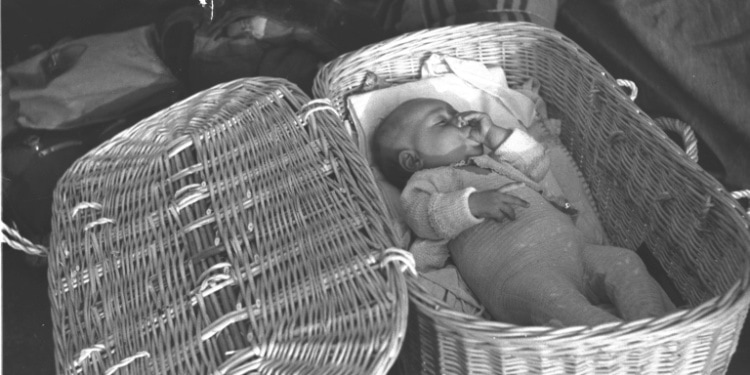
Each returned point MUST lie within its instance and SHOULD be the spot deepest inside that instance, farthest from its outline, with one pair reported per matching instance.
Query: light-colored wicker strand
(85, 353)
(400, 256)
(127, 361)
(317, 105)
(83, 206)
(98, 222)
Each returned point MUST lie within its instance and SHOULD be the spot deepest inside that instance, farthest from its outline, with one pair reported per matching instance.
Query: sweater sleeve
(435, 205)
(524, 153)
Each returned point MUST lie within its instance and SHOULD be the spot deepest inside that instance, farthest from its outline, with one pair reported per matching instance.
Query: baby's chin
(476, 150)
(472, 153)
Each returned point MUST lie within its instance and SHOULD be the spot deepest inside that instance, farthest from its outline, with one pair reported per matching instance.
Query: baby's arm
(513, 146)
(436, 207)
(524, 153)
(483, 130)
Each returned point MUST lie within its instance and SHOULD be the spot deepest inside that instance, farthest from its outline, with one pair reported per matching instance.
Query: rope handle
(689, 140)
(15, 240)
(631, 85)
(690, 143)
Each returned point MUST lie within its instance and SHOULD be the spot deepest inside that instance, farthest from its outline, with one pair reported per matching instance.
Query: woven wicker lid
(237, 230)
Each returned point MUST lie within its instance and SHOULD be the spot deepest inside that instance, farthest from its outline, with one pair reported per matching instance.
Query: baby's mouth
(465, 127)
(466, 130)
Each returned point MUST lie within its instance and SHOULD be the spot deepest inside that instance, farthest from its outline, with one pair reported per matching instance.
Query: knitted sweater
(538, 268)
(436, 205)
(494, 256)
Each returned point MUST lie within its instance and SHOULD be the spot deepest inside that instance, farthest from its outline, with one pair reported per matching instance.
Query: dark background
(28, 25)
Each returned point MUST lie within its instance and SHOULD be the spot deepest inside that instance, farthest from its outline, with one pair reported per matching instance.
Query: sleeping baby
(478, 187)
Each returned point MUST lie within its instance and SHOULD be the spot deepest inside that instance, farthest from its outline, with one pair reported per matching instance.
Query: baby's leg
(620, 276)
(543, 297)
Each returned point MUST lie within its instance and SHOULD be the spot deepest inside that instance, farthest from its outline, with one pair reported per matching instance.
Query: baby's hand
(483, 130)
(496, 203)
(545, 130)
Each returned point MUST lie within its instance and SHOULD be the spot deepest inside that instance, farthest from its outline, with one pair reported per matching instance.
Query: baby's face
(434, 133)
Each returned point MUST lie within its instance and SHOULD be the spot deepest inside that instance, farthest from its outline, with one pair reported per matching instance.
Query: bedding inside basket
(368, 109)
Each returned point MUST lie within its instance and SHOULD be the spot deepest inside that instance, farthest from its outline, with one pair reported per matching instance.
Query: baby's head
(420, 133)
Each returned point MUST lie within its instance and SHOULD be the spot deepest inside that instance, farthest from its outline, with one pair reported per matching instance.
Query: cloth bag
(90, 80)
(399, 16)
(248, 42)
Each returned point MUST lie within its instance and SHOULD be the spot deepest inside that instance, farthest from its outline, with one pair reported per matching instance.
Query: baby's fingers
(510, 198)
(505, 211)
(516, 201)
(510, 187)
(472, 115)
(473, 118)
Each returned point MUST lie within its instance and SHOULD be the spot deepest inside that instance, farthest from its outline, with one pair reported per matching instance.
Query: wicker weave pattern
(232, 232)
(647, 190)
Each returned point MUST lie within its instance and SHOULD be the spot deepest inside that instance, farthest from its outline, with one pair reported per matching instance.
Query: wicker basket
(234, 232)
(645, 187)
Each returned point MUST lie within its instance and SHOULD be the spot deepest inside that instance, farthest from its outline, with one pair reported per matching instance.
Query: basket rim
(653, 329)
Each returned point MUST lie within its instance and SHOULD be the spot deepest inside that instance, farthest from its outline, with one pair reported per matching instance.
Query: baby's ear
(409, 161)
